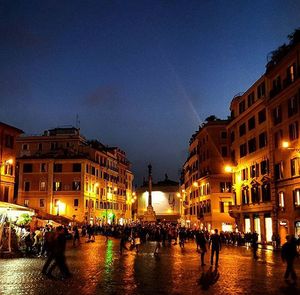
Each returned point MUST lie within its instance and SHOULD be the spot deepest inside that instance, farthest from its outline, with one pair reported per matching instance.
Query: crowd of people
(51, 242)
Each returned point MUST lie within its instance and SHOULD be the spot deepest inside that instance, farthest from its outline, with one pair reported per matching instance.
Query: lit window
(42, 203)
(296, 194)
(43, 185)
(281, 200)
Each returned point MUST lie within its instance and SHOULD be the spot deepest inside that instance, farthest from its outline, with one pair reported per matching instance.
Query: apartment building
(283, 76)
(254, 206)
(8, 136)
(266, 174)
(206, 189)
(62, 173)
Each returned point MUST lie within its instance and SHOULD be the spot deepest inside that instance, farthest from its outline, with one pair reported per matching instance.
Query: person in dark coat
(254, 244)
(59, 254)
(215, 244)
(202, 245)
(288, 254)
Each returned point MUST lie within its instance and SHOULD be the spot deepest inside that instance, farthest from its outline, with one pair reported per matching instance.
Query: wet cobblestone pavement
(98, 268)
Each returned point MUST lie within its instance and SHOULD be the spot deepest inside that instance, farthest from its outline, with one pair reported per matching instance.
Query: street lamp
(286, 145)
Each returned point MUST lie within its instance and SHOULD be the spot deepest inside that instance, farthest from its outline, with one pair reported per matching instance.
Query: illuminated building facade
(266, 176)
(284, 111)
(62, 173)
(206, 190)
(165, 201)
(8, 136)
(248, 133)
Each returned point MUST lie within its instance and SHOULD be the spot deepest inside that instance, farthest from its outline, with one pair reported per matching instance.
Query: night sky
(141, 75)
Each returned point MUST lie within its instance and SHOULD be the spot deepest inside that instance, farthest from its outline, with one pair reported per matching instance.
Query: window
(290, 73)
(76, 186)
(242, 129)
(27, 168)
(222, 207)
(242, 106)
(40, 147)
(25, 147)
(250, 99)
(9, 169)
(277, 84)
(278, 170)
(42, 203)
(245, 196)
(251, 123)
(57, 185)
(261, 90)
(293, 131)
(295, 166)
(262, 116)
(243, 150)
(86, 203)
(53, 146)
(42, 185)
(93, 171)
(255, 194)
(281, 200)
(232, 156)
(225, 187)
(252, 145)
(263, 140)
(232, 137)
(9, 141)
(57, 168)
(245, 174)
(292, 106)
(254, 171)
(224, 151)
(76, 202)
(87, 168)
(26, 186)
(265, 192)
(223, 134)
(277, 115)
(296, 197)
(76, 167)
(278, 136)
(264, 167)
(26, 203)
(43, 167)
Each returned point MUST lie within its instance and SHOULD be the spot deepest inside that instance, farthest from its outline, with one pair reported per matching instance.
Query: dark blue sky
(141, 75)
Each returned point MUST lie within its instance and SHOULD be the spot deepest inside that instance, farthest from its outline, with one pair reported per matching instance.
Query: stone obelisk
(149, 215)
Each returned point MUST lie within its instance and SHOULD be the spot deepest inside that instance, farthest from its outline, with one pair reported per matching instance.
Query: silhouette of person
(288, 254)
(215, 244)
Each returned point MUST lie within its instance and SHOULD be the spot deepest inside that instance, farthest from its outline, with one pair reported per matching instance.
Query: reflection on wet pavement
(98, 268)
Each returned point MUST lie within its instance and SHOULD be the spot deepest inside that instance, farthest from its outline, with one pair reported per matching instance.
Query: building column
(262, 227)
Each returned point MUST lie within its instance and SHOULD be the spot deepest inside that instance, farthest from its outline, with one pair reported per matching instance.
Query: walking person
(123, 240)
(254, 244)
(76, 236)
(288, 254)
(59, 254)
(157, 238)
(202, 245)
(215, 245)
(49, 237)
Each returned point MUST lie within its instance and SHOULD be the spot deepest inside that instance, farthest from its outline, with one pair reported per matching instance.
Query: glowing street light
(9, 161)
(228, 169)
(195, 184)
(286, 145)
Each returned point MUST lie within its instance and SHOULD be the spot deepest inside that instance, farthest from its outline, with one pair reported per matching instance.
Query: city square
(149, 147)
(98, 268)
